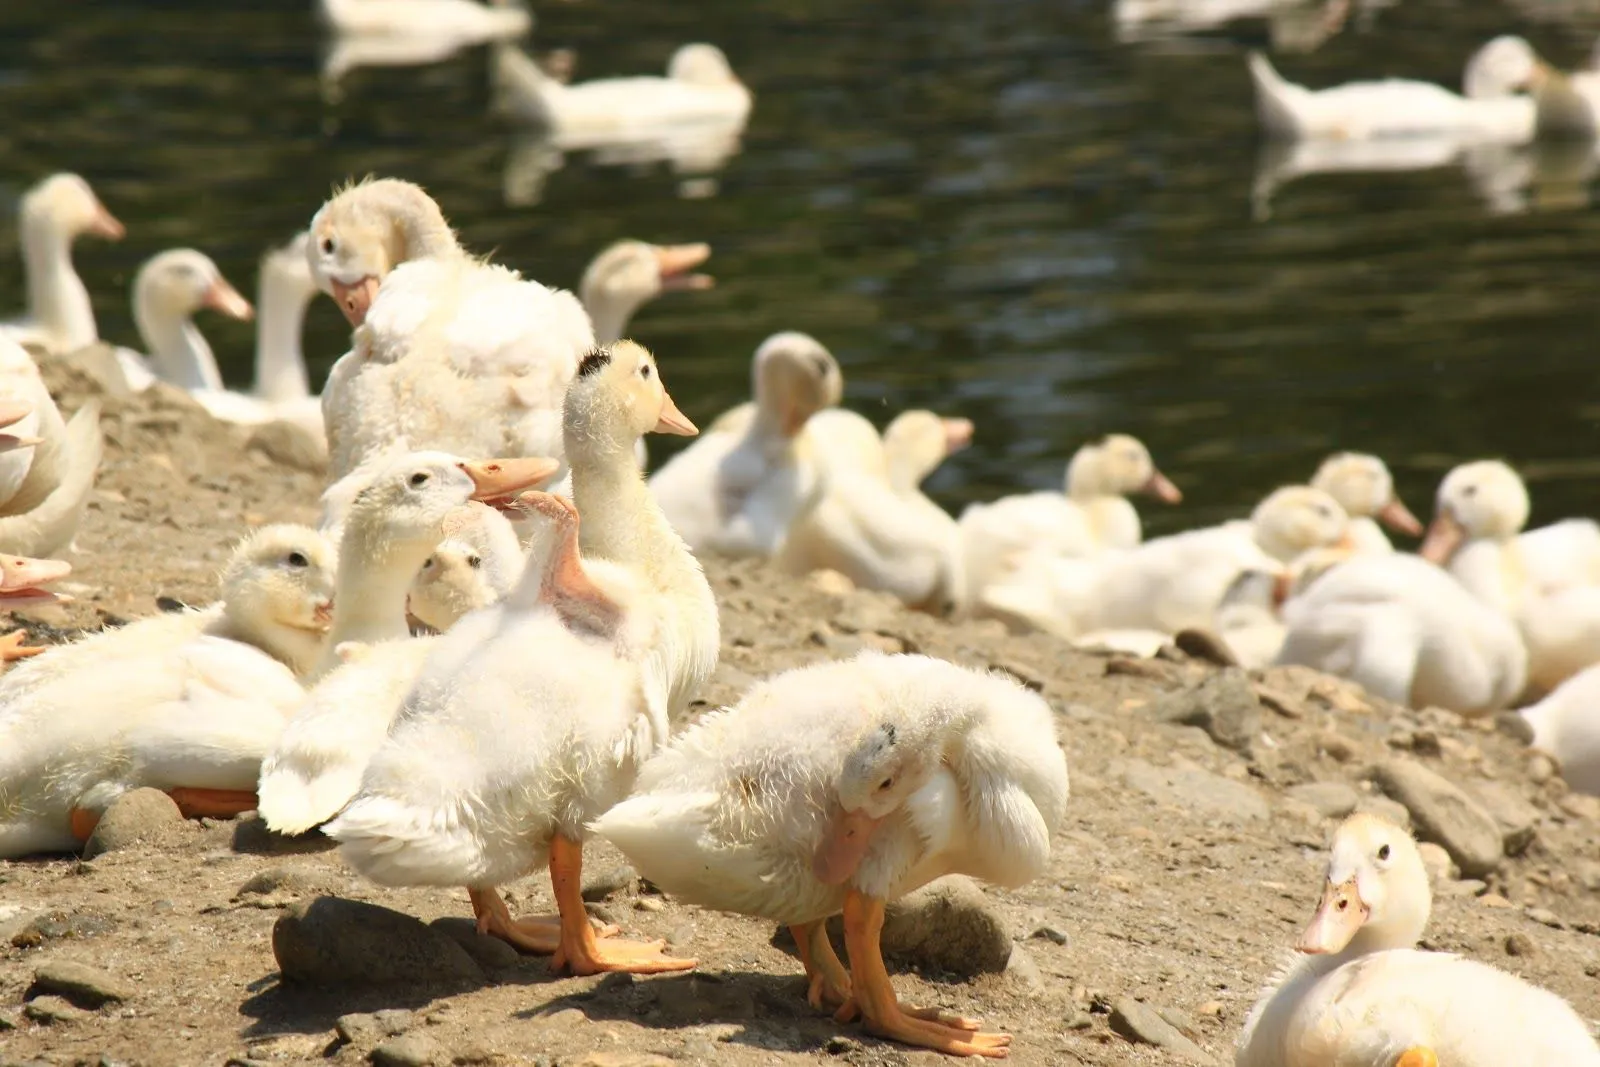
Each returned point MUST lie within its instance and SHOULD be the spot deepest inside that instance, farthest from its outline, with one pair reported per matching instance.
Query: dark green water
(987, 207)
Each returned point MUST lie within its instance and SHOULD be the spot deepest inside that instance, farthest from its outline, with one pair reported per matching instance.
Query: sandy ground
(1183, 870)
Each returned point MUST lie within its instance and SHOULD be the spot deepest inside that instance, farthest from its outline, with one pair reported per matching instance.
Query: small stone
(137, 817)
(1023, 972)
(85, 986)
(1546, 917)
(330, 941)
(830, 583)
(839, 1045)
(1179, 1019)
(1494, 900)
(1205, 646)
(52, 1010)
(410, 1050)
(1224, 705)
(1211, 1009)
(1336, 747)
(649, 904)
(8, 1020)
(1444, 814)
(1519, 945)
(1541, 768)
(362, 1028)
(1436, 861)
(491, 953)
(1050, 933)
(1023, 673)
(947, 925)
(271, 882)
(1080, 1020)
(609, 882)
(1142, 1024)
(1331, 800)
(1204, 795)
(1518, 820)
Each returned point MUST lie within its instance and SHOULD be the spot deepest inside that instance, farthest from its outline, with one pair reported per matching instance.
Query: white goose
(449, 352)
(1363, 994)
(397, 516)
(839, 787)
(1492, 108)
(188, 703)
(52, 215)
(736, 494)
(447, 799)
(167, 291)
(627, 275)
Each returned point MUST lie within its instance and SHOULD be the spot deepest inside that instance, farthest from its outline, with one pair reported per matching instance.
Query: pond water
(1013, 210)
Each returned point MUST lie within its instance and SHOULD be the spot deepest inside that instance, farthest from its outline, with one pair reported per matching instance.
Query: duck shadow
(278, 1007)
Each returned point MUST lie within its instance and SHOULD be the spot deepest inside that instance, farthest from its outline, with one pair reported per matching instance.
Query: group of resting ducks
(461, 682)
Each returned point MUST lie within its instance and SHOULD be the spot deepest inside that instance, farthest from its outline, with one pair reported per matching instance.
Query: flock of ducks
(474, 664)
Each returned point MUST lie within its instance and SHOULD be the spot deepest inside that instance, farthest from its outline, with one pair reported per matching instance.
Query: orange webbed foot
(1418, 1057)
(580, 951)
(12, 648)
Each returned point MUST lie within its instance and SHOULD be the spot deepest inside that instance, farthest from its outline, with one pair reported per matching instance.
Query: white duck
(449, 352)
(700, 89)
(1407, 632)
(873, 524)
(188, 703)
(1565, 726)
(1093, 517)
(736, 494)
(628, 274)
(167, 291)
(1363, 995)
(1492, 109)
(842, 786)
(400, 513)
(1364, 488)
(52, 215)
(460, 21)
(630, 654)
(1548, 579)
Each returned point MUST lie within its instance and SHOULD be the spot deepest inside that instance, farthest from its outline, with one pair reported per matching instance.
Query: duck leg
(1418, 1056)
(215, 803)
(12, 648)
(83, 821)
(579, 950)
(873, 995)
(828, 983)
(539, 934)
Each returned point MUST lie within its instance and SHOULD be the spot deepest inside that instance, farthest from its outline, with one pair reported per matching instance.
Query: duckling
(52, 215)
(476, 564)
(1363, 995)
(841, 786)
(1565, 726)
(398, 514)
(187, 702)
(1364, 488)
(736, 494)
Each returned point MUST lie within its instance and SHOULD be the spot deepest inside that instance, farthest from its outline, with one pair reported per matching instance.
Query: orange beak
(673, 421)
(21, 579)
(1397, 516)
(323, 615)
(676, 264)
(226, 299)
(105, 224)
(957, 435)
(494, 480)
(355, 299)
(1444, 536)
(1161, 487)
(842, 846)
(1338, 917)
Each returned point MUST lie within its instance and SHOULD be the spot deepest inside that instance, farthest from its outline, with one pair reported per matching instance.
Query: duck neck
(296, 649)
(375, 575)
(57, 298)
(280, 364)
(177, 348)
(609, 314)
(621, 521)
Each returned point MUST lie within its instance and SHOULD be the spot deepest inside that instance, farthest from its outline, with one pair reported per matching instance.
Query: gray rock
(1142, 1024)
(52, 1010)
(1224, 705)
(1436, 861)
(1444, 815)
(85, 986)
(59, 925)
(410, 1050)
(8, 1020)
(1196, 790)
(1050, 933)
(362, 1028)
(608, 882)
(1518, 820)
(137, 817)
(1205, 645)
(1519, 945)
(330, 941)
(947, 925)
(1546, 917)
(1023, 972)
(1331, 800)
(491, 953)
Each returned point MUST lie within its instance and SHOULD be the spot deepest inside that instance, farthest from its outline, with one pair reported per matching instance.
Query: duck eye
(644, 372)
(427, 563)
(474, 562)
(1469, 490)
(298, 559)
(885, 785)
(328, 245)
(1383, 852)
(419, 479)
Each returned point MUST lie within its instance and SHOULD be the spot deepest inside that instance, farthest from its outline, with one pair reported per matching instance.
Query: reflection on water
(995, 210)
